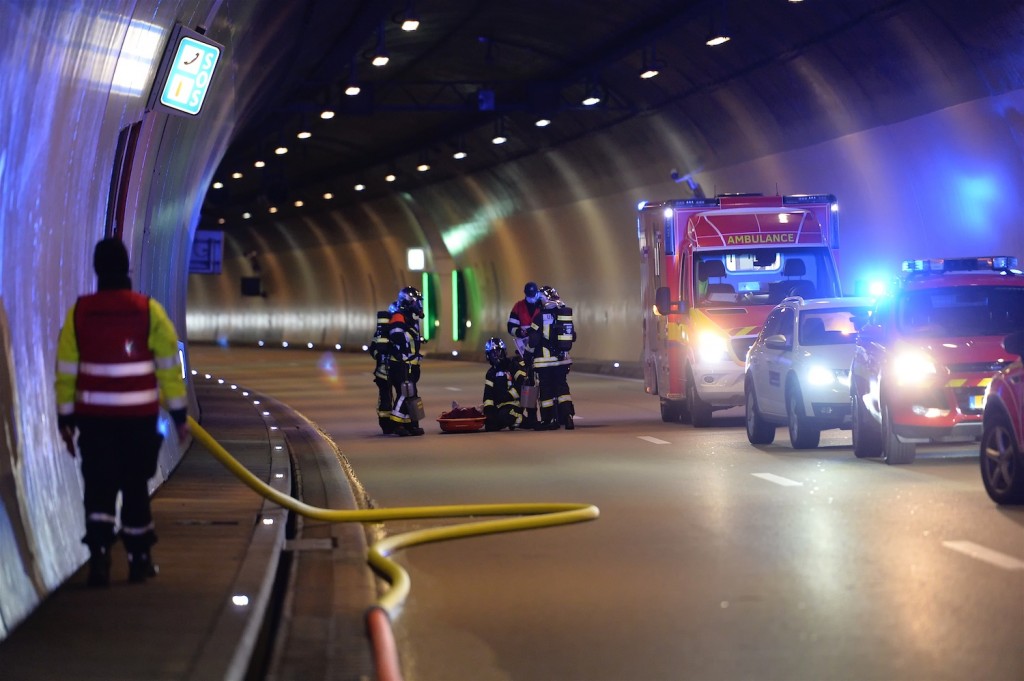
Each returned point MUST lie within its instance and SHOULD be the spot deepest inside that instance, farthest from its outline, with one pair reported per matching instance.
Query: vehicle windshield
(830, 326)
(763, 276)
(961, 311)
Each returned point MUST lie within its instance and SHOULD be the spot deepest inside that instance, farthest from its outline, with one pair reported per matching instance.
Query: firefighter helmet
(548, 294)
(410, 300)
(494, 350)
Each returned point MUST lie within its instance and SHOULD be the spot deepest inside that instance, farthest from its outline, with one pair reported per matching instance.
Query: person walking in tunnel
(552, 334)
(519, 321)
(117, 356)
(404, 362)
(502, 385)
(380, 351)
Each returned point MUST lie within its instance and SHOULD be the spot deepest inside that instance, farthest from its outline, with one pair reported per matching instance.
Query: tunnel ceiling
(476, 68)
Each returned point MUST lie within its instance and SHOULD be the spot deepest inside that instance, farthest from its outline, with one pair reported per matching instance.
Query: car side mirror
(1014, 343)
(664, 304)
(777, 342)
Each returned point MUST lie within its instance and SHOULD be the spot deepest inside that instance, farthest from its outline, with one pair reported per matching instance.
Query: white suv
(798, 370)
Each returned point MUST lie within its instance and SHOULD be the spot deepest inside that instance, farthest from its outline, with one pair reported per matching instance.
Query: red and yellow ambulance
(711, 271)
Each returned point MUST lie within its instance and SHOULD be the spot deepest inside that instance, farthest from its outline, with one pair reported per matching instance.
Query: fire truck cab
(712, 269)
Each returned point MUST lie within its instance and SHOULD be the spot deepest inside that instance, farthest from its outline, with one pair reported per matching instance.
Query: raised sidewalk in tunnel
(242, 592)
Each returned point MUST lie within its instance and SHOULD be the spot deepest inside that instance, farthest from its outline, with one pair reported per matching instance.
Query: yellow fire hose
(538, 515)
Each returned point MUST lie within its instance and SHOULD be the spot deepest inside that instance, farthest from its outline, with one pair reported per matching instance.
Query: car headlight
(912, 368)
(712, 347)
(819, 375)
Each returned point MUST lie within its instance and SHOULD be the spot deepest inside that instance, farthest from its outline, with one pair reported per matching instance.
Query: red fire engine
(712, 269)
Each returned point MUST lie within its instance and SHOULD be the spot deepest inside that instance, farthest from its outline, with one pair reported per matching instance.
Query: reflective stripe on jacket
(117, 353)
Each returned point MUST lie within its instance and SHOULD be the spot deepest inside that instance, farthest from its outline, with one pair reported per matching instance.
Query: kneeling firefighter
(502, 386)
(552, 334)
(404, 362)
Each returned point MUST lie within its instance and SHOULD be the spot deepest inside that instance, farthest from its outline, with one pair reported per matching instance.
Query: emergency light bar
(797, 199)
(697, 202)
(996, 263)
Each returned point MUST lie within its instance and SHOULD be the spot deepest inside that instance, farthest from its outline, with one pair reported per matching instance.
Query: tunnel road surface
(712, 559)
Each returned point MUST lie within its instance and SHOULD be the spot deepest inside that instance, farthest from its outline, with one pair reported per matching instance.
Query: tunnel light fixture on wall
(416, 259)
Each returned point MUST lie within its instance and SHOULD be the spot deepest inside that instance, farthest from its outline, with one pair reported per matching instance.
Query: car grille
(741, 344)
(963, 399)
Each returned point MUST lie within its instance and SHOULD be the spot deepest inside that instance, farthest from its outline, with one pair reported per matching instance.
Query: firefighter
(519, 321)
(404, 361)
(502, 384)
(380, 350)
(552, 334)
(117, 356)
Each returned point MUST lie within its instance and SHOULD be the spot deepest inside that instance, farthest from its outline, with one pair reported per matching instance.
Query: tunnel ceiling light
(591, 100)
(272, 210)
(380, 53)
(353, 89)
(459, 155)
(327, 114)
(652, 66)
(592, 94)
(718, 39)
(328, 196)
(221, 221)
(543, 122)
(259, 164)
(246, 216)
(236, 176)
(281, 151)
(380, 59)
(218, 185)
(410, 20)
(390, 177)
(299, 203)
(499, 139)
(304, 135)
(360, 187)
(423, 167)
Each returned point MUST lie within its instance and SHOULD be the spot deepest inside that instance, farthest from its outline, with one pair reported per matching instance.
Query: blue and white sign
(189, 76)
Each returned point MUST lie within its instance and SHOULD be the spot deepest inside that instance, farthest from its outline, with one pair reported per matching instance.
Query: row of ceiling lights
(409, 21)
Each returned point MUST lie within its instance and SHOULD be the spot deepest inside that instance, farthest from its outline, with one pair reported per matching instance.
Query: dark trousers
(385, 401)
(118, 455)
(399, 373)
(555, 400)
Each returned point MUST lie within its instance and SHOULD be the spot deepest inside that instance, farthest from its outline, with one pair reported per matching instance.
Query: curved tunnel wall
(918, 131)
(73, 79)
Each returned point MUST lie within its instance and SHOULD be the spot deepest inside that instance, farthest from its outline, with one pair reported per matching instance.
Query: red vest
(116, 372)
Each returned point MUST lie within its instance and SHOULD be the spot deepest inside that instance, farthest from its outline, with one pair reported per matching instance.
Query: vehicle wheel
(700, 411)
(802, 434)
(759, 431)
(1002, 464)
(894, 451)
(867, 435)
(670, 411)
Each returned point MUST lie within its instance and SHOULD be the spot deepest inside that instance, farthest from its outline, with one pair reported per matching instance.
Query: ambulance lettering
(749, 239)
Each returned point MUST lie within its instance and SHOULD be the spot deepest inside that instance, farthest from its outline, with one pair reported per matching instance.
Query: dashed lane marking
(653, 440)
(453, 389)
(986, 555)
(778, 479)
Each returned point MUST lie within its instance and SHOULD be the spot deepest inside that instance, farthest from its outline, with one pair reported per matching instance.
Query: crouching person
(502, 385)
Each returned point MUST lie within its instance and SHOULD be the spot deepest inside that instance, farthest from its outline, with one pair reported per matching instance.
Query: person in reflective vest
(502, 383)
(404, 361)
(117, 357)
(380, 350)
(552, 334)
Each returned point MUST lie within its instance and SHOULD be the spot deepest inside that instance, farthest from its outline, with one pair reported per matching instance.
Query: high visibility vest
(117, 351)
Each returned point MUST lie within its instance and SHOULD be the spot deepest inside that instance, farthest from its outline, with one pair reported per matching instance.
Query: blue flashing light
(696, 202)
(797, 199)
(641, 205)
(996, 263)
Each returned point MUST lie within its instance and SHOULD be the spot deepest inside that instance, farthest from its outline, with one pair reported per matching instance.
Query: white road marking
(986, 555)
(454, 390)
(653, 440)
(778, 479)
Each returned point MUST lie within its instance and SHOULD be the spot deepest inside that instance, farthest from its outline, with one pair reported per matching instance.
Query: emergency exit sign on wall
(186, 72)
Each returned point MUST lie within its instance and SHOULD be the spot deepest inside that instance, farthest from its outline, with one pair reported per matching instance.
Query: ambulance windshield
(763, 276)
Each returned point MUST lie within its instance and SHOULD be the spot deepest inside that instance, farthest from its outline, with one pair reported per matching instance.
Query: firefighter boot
(387, 426)
(565, 414)
(141, 567)
(99, 566)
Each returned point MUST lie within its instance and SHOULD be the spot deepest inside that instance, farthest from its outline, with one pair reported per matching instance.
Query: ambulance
(711, 271)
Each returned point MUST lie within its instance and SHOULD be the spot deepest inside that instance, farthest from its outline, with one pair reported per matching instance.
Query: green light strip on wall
(455, 305)
(428, 318)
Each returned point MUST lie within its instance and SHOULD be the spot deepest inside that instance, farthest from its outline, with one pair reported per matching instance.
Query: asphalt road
(712, 559)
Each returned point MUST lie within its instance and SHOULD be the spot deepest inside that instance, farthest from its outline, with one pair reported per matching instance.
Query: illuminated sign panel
(186, 72)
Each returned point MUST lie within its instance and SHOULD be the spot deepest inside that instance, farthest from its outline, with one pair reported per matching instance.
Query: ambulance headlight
(712, 347)
(912, 368)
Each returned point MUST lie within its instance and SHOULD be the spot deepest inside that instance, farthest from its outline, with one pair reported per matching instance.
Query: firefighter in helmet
(502, 386)
(380, 350)
(404, 361)
(552, 334)
(519, 320)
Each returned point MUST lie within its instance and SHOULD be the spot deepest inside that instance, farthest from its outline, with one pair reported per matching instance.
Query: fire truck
(712, 269)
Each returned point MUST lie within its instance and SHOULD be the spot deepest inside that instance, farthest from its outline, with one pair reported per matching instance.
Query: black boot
(140, 567)
(99, 567)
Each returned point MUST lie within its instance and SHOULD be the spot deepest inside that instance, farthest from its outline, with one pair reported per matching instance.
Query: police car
(923, 361)
(797, 372)
(1002, 437)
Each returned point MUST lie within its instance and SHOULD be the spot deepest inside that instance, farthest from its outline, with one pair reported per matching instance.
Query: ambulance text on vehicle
(711, 271)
